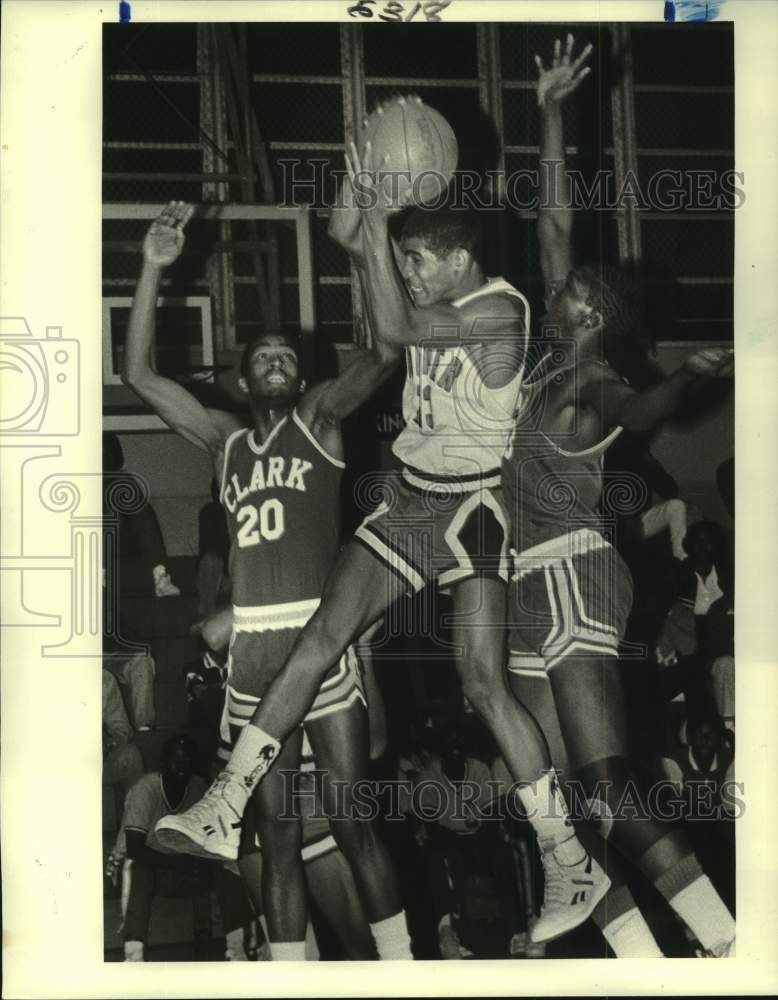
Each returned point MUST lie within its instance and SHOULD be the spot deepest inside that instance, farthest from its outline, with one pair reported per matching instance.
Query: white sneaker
(451, 948)
(571, 893)
(210, 829)
(517, 946)
(534, 949)
(726, 949)
(163, 585)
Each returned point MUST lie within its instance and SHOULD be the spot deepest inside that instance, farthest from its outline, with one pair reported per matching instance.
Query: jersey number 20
(258, 523)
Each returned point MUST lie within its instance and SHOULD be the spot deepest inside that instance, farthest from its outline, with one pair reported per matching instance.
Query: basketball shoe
(571, 892)
(211, 828)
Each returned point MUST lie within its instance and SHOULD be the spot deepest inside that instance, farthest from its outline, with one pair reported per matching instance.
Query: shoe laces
(556, 889)
(214, 798)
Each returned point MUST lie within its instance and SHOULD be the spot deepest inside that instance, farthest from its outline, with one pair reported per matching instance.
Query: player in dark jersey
(571, 590)
(280, 488)
(441, 521)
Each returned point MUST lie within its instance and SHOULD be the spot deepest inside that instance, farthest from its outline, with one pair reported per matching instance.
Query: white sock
(287, 951)
(251, 758)
(630, 937)
(235, 950)
(392, 939)
(133, 951)
(701, 909)
(312, 953)
(547, 812)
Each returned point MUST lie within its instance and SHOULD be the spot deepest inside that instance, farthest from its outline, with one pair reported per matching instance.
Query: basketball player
(571, 592)
(442, 521)
(280, 487)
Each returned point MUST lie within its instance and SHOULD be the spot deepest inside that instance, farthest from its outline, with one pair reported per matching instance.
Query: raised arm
(555, 215)
(621, 406)
(324, 406)
(208, 429)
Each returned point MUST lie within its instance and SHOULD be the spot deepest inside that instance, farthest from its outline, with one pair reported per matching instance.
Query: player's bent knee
(483, 686)
(354, 837)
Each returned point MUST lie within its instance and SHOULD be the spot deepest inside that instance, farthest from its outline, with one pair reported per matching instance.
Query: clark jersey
(282, 501)
(455, 426)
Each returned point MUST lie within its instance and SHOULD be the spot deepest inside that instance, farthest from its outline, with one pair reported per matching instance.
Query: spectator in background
(122, 761)
(699, 627)
(471, 880)
(139, 532)
(135, 672)
(151, 871)
(703, 775)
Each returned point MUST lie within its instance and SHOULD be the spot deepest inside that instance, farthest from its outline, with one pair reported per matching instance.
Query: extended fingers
(176, 214)
(583, 57)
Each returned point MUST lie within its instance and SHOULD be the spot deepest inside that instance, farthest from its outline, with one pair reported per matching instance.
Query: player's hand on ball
(714, 362)
(564, 76)
(165, 238)
(372, 194)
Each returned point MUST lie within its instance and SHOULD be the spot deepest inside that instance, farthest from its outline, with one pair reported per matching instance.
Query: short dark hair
(445, 230)
(288, 337)
(172, 742)
(618, 296)
(704, 715)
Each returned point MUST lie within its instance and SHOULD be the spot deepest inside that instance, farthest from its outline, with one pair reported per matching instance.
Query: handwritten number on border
(393, 10)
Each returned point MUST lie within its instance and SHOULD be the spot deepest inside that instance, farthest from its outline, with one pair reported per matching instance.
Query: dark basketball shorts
(437, 533)
(569, 596)
(262, 639)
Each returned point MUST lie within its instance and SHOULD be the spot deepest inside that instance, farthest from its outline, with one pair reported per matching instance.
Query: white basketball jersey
(455, 426)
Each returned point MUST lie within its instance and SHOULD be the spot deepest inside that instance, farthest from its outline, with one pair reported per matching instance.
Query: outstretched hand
(564, 76)
(714, 362)
(376, 190)
(165, 238)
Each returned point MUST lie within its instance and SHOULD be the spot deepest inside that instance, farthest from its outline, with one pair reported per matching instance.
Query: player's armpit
(331, 401)
(608, 396)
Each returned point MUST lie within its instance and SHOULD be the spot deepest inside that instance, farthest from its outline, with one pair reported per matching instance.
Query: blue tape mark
(690, 11)
(125, 13)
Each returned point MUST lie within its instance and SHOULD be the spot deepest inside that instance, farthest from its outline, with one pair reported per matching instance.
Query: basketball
(422, 147)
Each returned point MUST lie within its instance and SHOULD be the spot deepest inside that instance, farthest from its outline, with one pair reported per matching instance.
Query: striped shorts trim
(568, 605)
(423, 537)
(425, 481)
(273, 617)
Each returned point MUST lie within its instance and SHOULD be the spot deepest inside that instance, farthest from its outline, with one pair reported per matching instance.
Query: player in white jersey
(441, 520)
(281, 493)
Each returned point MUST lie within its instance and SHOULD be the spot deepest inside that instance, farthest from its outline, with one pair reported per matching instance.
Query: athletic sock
(133, 951)
(235, 950)
(701, 909)
(312, 953)
(287, 951)
(392, 939)
(547, 812)
(251, 758)
(630, 936)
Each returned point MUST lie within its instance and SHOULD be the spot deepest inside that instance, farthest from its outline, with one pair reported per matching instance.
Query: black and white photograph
(405, 532)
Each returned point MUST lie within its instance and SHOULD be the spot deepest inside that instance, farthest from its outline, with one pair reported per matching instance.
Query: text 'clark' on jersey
(282, 502)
